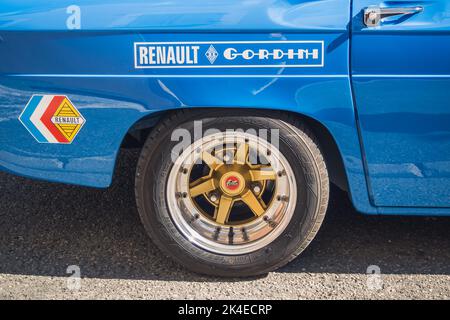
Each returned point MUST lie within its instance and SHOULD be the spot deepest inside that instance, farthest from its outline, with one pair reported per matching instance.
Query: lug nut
(256, 189)
(226, 158)
(213, 198)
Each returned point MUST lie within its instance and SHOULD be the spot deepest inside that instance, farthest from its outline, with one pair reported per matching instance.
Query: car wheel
(243, 198)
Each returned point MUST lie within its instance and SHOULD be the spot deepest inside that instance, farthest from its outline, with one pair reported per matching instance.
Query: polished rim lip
(207, 244)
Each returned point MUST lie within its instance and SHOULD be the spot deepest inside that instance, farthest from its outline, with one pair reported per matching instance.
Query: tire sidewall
(151, 185)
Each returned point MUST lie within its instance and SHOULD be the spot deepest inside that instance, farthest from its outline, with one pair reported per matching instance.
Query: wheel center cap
(232, 183)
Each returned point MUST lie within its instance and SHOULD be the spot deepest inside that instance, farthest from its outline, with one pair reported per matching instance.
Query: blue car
(245, 113)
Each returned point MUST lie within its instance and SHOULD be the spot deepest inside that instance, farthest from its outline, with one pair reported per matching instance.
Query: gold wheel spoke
(261, 174)
(211, 160)
(202, 186)
(241, 153)
(223, 211)
(253, 203)
(261, 166)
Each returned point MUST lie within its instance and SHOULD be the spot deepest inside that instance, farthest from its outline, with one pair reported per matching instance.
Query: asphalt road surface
(47, 227)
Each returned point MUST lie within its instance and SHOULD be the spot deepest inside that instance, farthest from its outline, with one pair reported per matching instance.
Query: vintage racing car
(245, 113)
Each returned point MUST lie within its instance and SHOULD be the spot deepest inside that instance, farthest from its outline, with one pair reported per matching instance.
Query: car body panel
(95, 68)
(401, 82)
(178, 15)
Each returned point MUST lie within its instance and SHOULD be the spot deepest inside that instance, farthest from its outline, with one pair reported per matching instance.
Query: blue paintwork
(179, 15)
(94, 67)
(401, 81)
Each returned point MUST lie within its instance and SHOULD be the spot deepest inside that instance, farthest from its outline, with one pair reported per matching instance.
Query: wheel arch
(138, 132)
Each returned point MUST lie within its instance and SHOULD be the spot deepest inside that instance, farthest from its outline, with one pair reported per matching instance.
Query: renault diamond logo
(211, 54)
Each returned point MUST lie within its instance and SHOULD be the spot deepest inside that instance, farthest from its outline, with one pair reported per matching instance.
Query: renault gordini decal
(229, 54)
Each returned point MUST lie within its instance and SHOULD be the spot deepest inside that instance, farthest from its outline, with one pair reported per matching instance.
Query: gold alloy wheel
(231, 193)
(231, 180)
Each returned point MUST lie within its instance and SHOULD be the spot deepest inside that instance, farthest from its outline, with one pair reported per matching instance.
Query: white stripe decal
(36, 118)
(180, 76)
(401, 76)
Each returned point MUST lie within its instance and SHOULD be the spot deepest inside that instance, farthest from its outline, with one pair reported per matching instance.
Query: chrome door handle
(373, 14)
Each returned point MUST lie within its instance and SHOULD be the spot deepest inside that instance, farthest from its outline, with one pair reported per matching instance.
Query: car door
(400, 65)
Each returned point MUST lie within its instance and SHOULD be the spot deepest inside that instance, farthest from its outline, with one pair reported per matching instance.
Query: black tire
(298, 146)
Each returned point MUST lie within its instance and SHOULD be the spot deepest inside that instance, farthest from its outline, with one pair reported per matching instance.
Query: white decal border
(136, 66)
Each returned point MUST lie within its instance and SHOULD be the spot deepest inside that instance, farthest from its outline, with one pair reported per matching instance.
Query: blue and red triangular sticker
(52, 119)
